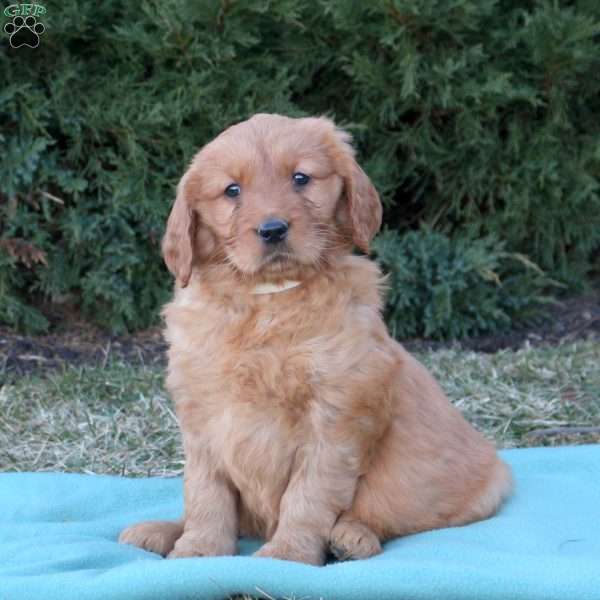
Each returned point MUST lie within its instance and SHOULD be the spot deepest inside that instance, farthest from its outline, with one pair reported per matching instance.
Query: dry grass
(117, 419)
(514, 396)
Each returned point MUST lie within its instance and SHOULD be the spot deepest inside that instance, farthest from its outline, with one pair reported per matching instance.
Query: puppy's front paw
(195, 544)
(153, 536)
(353, 540)
(288, 551)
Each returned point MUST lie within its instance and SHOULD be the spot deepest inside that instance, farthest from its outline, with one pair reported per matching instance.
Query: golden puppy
(303, 422)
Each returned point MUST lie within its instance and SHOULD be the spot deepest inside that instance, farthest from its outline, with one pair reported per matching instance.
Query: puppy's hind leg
(352, 539)
(153, 536)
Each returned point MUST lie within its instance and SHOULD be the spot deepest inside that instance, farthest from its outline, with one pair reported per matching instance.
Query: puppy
(303, 422)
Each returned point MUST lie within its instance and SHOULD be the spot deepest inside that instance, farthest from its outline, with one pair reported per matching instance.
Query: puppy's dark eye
(300, 178)
(233, 190)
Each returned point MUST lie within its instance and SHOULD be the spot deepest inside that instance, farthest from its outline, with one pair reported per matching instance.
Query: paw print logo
(24, 32)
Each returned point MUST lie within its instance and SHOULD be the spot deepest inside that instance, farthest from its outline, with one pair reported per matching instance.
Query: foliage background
(478, 121)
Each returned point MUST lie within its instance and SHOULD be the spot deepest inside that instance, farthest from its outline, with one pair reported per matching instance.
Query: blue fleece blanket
(58, 540)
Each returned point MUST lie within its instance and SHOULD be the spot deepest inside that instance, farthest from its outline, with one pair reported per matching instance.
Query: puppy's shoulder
(191, 316)
(366, 279)
(185, 299)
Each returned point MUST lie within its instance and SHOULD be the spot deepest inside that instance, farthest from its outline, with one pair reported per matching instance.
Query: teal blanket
(58, 541)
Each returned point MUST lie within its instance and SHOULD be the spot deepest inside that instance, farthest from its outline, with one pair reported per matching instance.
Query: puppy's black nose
(273, 231)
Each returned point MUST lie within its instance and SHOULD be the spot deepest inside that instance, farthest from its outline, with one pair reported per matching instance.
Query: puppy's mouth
(279, 254)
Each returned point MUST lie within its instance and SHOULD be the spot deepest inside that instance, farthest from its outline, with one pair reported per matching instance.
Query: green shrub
(452, 288)
(476, 117)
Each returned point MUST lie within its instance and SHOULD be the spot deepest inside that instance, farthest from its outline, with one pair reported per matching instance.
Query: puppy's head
(269, 195)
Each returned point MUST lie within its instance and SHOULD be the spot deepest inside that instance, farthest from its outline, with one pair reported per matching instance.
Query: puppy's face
(270, 195)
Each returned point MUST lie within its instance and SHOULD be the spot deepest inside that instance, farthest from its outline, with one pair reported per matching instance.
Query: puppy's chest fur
(244, 388)
(272, 389)
(247, 382)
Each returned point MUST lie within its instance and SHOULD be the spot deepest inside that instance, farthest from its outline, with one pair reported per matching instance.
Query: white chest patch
(274, 288)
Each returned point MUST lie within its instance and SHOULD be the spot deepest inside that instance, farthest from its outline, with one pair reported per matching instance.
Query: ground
(80, 400)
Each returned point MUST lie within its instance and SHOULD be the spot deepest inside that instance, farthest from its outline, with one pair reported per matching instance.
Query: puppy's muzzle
(273, 231)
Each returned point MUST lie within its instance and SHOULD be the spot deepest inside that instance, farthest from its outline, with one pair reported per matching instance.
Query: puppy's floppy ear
(179, 239)
(360, 209)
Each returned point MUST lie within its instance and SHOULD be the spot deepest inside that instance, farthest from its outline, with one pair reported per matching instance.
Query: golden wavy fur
(303, 422)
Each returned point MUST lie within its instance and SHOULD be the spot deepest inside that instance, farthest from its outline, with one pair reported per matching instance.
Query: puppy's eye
(300, 178)
(233, 190)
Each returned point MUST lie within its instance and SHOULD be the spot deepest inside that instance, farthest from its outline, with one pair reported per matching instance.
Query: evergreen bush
(456, 287)
(476, 117)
